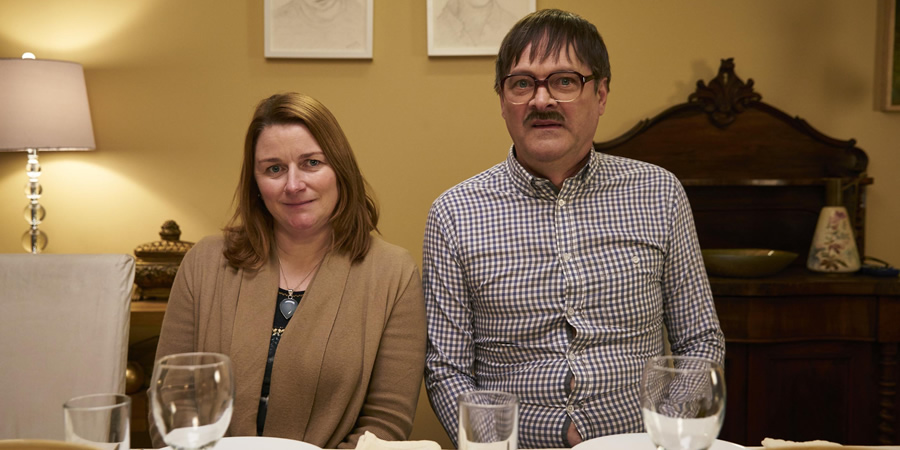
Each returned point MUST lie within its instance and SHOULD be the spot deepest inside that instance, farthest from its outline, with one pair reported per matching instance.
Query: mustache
(545, 115)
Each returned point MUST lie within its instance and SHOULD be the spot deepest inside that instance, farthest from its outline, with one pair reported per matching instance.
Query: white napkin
(369, 441)
(778, 443)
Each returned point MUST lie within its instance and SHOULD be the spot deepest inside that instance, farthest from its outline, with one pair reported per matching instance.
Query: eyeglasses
(562, 86)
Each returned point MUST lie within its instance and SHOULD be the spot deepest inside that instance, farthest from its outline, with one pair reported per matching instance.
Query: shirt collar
(523, 180)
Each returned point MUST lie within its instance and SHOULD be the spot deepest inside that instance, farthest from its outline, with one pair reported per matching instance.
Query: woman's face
(296, 182)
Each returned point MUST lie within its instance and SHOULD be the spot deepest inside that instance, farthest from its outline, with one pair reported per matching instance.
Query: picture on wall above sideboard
(472, 27)
(317, 29)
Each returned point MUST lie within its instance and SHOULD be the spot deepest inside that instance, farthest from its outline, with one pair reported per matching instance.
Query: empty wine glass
(683, 401)
(191, 396)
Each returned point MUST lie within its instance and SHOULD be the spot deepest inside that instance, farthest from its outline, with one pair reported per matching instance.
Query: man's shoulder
(493, 179)
(612, 166)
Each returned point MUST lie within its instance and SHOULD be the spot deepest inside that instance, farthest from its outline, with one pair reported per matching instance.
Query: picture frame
(888, 96)
(302, 29)
(472, 27)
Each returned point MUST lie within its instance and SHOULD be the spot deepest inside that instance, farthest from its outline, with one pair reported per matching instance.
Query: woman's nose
(295, 181)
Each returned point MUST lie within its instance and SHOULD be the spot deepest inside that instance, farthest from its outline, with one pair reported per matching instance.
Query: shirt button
(635, 259)
(572, 356)
(567, 257)
(570, 408)
(570, 312)
(561, 202)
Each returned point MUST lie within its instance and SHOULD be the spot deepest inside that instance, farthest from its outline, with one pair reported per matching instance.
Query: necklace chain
(291, 291)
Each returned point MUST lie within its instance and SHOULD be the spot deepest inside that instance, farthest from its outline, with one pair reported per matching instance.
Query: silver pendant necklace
(289, 305)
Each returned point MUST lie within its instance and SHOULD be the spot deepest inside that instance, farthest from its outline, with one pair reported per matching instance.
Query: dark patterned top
(278, 325)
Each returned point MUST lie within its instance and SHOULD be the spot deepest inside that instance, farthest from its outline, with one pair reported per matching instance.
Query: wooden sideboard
(808, 355)
(811, 356)
(146, 320)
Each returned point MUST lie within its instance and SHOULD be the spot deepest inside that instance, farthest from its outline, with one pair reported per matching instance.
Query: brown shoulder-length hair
(554, 31)
(249, 235)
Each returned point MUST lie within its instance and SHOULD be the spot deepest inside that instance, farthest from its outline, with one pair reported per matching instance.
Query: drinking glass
(99, 420)
(488, 420)
(683, 401)
(192, 396)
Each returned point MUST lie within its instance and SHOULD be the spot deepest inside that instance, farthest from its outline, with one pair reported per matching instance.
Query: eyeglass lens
(563, 86)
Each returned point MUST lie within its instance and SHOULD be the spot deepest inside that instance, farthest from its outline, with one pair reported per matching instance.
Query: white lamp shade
(44, 106)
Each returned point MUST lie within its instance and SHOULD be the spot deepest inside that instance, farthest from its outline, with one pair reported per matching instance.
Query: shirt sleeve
(450, 350)
(689, 310)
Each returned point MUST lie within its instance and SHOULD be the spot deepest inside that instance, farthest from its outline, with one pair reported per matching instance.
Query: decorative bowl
(746, 262)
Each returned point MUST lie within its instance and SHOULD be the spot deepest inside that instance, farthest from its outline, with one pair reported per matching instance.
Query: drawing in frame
(889, 54)
(318, 29)
(472, 27)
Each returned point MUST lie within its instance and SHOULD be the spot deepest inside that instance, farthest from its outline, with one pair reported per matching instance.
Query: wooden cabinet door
(811, 390)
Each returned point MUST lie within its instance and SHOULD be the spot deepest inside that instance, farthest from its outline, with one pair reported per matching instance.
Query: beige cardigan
(350, 360)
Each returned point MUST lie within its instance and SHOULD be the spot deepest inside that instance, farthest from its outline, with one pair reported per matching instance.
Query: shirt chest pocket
(629, 286)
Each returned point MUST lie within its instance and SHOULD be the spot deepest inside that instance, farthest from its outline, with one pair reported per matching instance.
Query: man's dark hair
(553, 31)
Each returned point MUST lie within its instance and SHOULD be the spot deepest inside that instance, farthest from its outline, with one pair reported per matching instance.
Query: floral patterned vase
(833, 248)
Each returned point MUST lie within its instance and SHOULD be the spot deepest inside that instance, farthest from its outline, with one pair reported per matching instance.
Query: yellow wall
(172, 84)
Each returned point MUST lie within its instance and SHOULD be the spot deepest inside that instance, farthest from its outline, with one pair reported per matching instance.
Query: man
(552, 274)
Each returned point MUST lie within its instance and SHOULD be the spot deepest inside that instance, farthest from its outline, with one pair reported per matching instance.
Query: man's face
(553, 137)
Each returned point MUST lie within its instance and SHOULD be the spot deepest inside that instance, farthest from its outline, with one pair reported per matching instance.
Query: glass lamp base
(34, 241)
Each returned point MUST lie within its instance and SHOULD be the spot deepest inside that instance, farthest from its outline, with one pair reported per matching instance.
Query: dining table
(878, 447)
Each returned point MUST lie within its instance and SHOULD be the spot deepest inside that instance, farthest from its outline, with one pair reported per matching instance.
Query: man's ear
(602, 94)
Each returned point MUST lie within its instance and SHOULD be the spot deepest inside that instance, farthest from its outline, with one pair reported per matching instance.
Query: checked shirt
(528, 288)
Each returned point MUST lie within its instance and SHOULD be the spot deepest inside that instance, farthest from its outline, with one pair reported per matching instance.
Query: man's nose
(542, 97)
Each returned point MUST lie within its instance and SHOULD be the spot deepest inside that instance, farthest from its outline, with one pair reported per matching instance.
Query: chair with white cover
(64, 323)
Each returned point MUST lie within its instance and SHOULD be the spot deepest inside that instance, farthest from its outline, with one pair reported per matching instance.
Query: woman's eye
(275, 169)
(313, 163)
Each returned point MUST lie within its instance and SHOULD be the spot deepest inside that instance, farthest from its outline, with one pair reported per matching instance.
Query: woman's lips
(300, 203)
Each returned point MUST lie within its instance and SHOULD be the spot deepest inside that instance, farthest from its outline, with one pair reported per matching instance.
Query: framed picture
(472, 27)
(889, 54)
(317, 29)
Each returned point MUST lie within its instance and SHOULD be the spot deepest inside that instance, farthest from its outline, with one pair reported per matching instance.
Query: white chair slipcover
(64, 322)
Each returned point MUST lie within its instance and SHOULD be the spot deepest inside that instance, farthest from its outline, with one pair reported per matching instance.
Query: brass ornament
(134, 377)
(157, 262)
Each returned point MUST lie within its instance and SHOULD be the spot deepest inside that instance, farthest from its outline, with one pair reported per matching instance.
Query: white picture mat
(294, 29)
(456, 30)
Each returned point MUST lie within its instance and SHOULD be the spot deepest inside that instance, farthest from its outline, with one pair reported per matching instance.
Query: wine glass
(192, 396)
(683, 401)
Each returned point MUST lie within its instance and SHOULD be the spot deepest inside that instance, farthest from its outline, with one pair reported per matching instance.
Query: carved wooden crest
(725, 96)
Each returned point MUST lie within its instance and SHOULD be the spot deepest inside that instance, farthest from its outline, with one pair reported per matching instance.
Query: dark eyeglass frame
(538, 83)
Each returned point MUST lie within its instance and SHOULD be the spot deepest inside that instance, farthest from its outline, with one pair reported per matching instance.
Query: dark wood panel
(806, 391)
(757, 217)
(788, 319)
(734, 429)
(797, 281)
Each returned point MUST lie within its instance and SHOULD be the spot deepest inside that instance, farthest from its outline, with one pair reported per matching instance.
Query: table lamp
(43, 107)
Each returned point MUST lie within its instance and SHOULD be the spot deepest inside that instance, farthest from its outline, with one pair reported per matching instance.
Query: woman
(298, 271)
